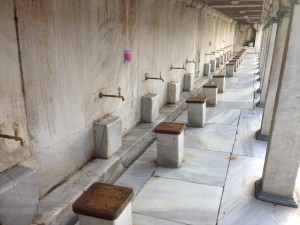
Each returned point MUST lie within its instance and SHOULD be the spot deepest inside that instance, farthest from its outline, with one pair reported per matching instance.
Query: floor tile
(148, 220)
(137, 175)
(199, 166)
(178, 201)
(214, 137)
(222, 116)
(236, 96)
(239, 205)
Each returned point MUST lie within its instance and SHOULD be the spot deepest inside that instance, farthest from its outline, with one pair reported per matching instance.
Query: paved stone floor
(215, 184)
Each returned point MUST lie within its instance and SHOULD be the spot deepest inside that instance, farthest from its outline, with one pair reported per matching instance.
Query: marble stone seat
(220, 81)
(229, 69)
(150, 108)
(235, 62)
(207, 69)
(170, 143)
(211, 93)
(104, 204)
(188, 82)
(196, 111)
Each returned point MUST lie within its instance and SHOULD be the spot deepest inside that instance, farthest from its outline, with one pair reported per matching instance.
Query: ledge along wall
(58, 55)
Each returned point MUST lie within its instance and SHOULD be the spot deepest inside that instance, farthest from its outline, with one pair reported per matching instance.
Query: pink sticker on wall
(127, 56)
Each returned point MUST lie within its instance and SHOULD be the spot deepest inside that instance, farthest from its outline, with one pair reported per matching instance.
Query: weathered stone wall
(72, 50)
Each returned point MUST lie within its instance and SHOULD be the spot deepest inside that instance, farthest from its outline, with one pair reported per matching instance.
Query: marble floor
(215, 184)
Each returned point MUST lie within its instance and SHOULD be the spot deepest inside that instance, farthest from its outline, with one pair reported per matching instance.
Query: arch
(250, 36)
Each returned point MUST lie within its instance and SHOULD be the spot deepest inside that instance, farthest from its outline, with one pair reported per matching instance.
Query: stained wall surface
(72, 50)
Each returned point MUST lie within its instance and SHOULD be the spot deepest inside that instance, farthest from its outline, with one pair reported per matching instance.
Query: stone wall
(72, 50)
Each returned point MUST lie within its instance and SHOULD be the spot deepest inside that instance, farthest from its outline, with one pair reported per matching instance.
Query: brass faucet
(15, 127)
(101, 95)
(178, 68)
(210, 54)
(188, 61)
(153, 78)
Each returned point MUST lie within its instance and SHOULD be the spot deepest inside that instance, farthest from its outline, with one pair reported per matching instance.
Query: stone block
(225, 57)
(190, 68)
(217, 62)
(235, 64)
(196, 111)
(229, 69)
(213, 65)
(188, 82)
(150, 108)
(220, 81)
(93, 209)
(173, 92)
(18, 196)
(206, 71)
(108, 136)
(221, 59)
(170, 144)
(211, 94)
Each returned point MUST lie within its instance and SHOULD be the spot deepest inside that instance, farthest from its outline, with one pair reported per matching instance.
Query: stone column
(265, 81)
(283, 156)
(262, 65)
(263, 133)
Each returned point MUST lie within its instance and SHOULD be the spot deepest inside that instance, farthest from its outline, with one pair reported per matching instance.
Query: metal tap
(178, 68)
(153, 78)
(101, 95)
(16, 137)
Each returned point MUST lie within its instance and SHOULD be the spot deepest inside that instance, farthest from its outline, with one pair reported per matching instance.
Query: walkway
(215, 184)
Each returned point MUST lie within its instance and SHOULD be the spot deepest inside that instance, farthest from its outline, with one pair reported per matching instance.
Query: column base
(273, 198)
(258, 90)
(260, 105)
(261, 137)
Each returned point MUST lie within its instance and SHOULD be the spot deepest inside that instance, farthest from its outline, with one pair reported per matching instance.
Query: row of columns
(280, 96)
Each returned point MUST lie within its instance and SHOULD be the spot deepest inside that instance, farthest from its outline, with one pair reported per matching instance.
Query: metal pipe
(101, 95)
(178, 68)
(153, 78)
(15, 127)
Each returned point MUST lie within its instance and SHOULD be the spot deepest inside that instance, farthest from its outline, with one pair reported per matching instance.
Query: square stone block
(221, 59)
(229, 69)
(190, 68)
(217, 62)
(206, 71)
(235, 64)
(18, 196)
(211, 93)
(220, 81)
(196, 111)
(188, 82)
(173, 92)
(213, 65)
(108, 136)
(104, 204)
(170, 144)
(150, 108)
(225, 57)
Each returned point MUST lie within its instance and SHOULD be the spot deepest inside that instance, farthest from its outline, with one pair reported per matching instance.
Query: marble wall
(72, 50)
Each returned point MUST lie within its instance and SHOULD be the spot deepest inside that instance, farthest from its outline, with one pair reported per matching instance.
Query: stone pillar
(229, 69)
(220, 81)
(283, 156)
(264, 57)
(265, 81)
(263, 132)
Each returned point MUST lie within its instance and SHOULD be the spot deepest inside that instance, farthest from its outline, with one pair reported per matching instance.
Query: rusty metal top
(169, 128)
(103, 201)
(210, 86)
(197, 99)
(219, 75)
